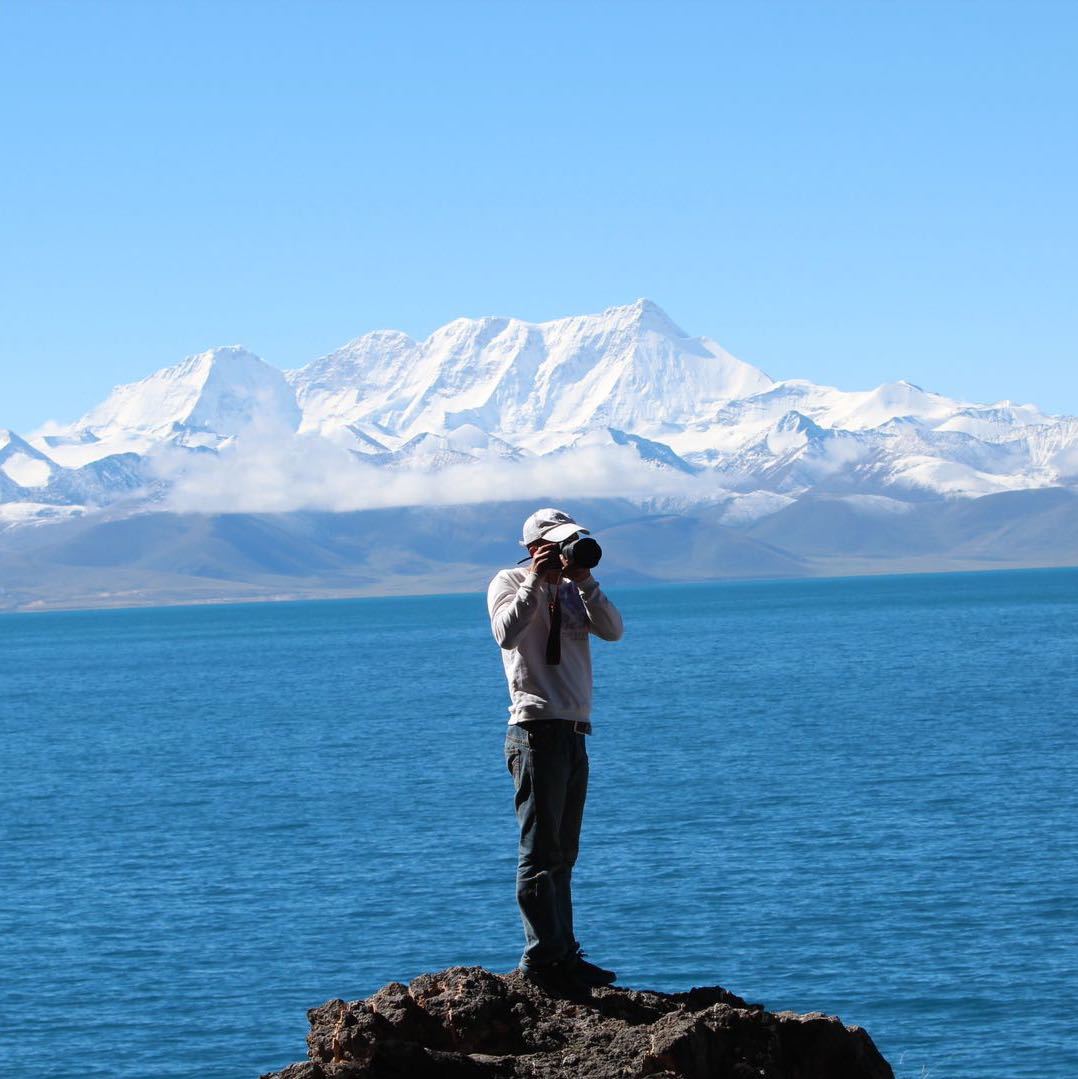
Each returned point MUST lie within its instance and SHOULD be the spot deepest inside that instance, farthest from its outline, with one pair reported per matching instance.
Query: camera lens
(583, 552)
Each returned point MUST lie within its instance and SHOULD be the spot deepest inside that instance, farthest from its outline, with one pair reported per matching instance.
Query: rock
(468, 1023)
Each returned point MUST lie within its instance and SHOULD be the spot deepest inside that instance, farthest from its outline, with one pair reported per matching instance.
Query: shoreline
(124, 601)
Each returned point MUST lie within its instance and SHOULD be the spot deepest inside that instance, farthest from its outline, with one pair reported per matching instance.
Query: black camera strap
(553, 641)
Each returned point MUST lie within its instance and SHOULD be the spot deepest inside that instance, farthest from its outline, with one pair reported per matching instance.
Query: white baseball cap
(550, 525)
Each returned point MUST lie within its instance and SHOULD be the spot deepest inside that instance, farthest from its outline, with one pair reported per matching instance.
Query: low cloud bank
(275, 472)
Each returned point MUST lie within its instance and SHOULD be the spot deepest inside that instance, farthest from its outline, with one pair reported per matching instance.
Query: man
(542, 616)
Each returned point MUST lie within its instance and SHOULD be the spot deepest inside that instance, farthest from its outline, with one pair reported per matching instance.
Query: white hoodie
(518, 602)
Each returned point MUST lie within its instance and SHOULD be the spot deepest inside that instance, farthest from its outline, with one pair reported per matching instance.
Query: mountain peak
(646, 314)
(199, 366)
(21, 463)
(234, 355)
(629, 366)
(10, 443)
(222, 390)
(471, 331)
(798, 422)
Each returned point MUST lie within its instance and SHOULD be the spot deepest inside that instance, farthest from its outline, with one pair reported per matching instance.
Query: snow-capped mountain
(220, 393)
(32, 485)
(532, 384)
(626, 386)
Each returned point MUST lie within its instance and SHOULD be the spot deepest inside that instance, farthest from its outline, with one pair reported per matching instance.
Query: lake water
(856, 796)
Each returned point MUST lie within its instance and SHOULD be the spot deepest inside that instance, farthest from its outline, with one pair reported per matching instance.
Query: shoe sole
(555, 984)
(593, 983)
(595, 980)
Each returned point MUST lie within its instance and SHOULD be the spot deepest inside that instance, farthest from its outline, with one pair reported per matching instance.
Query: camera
(578, 550)
(581, 551)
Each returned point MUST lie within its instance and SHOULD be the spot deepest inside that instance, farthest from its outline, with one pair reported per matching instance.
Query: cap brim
(560, 532)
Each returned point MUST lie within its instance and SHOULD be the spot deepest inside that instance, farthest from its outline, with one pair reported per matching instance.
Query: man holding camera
(542, 616)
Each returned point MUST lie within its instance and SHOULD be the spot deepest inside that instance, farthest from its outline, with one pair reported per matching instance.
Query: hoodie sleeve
(604, 617)
(512, 607)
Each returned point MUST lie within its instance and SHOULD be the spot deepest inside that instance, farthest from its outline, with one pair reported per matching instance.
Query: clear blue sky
(847, 192)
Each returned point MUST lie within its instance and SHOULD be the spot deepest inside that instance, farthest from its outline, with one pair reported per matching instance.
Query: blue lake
(858, 796)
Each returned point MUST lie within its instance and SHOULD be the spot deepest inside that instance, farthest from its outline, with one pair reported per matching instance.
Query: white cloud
(49, 427)
(276, 471)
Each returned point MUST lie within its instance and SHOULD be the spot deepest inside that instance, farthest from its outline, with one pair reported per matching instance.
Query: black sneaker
(588, 973)
(555, 979)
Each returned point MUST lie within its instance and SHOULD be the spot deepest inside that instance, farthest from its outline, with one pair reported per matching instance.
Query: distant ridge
(108, 560)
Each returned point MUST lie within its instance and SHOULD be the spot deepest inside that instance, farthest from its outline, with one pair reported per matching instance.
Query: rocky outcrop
(467, 1023)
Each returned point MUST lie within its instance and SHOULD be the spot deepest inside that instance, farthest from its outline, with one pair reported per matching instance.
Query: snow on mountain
(742, 421)
(22, 464)
(35, 485)
(993, 423)
(355, 438)
(796, 454)
(24, 513)
(942, 476)
(221, 392)
(104, 481)
(533, 384)
(1054, 448)
(906, 438)
(75, 438)
(431, 452)
(656, 454)
(862, 411)
(623, 388)
(333, 391)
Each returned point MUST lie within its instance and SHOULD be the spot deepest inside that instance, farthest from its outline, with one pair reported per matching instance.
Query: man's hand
(574, 573)
(546, 561)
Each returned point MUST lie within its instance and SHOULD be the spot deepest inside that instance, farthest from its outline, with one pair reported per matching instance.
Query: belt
(580, 726)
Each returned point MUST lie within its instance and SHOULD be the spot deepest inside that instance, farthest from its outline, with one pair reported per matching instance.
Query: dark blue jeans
(549, 765)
